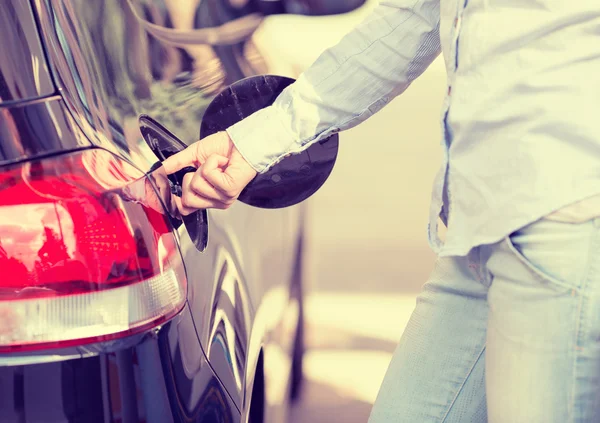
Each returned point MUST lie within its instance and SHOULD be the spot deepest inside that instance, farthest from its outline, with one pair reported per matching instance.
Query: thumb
(185, 158)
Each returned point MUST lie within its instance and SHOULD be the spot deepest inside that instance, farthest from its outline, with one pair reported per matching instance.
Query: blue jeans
(508, 334)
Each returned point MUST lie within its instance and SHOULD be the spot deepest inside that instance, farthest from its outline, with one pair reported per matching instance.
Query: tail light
(87, 253)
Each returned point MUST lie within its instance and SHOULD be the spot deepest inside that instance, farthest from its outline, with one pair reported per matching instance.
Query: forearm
(347, 84)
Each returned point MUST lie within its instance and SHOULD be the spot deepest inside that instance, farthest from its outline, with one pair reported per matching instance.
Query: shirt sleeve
(348, 83)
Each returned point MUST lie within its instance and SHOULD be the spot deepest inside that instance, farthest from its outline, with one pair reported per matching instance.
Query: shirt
(520, 125)
(579, 212)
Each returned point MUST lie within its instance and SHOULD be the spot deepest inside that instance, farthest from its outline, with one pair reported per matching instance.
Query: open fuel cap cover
(293, 179)
(164, 144)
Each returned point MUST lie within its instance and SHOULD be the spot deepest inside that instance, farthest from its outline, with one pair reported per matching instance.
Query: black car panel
(25, 76)
(111, 70)
(162, 378)
(37, 129)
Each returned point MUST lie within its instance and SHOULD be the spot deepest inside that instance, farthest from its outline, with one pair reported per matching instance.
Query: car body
(85, 237)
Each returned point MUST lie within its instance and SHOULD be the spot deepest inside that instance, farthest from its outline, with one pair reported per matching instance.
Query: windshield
(23, 71)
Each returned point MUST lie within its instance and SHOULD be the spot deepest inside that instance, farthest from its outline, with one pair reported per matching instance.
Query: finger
(191, 199)
(221, 180)
(193, 202)
(185, 158)
(203, 188)
(181, 209)
(230, 181)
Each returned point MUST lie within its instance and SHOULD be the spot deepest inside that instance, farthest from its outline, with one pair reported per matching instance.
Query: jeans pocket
(536, 271)
(555, 253)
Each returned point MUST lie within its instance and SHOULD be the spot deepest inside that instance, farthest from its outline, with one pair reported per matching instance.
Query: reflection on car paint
(198, 397)
(39, 129)
(25, 76)
(136, 72)
(230, 317)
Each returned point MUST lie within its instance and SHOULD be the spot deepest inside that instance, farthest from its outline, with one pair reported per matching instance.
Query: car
(111, 308)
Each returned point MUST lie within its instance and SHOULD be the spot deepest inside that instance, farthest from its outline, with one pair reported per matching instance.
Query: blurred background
(368, 228)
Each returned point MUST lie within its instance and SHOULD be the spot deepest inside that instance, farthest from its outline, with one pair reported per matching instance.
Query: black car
(112, 310)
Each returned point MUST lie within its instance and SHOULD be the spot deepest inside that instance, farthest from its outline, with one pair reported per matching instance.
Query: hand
(222, 173)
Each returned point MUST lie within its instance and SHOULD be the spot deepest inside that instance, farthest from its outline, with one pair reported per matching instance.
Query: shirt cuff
(263, 138)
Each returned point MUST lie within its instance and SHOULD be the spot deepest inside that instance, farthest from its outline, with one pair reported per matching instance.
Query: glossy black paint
(25, 76)
(111, 68)
(37, 129)
(294, 178)
(164, 377)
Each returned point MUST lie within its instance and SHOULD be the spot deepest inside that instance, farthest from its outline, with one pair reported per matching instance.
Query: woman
(507, 329)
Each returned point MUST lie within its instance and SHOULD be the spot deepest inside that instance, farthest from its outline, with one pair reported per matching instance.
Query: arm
(348, 83)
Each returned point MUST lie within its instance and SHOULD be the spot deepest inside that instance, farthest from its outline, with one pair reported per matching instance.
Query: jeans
(508, 334)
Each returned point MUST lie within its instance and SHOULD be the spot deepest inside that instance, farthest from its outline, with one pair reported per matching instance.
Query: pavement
(348, 354)
(368, 229)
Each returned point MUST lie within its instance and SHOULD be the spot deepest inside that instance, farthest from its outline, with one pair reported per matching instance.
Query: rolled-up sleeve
(347, 84)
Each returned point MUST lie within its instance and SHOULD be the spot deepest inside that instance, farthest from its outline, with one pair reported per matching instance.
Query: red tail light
(87, 253)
